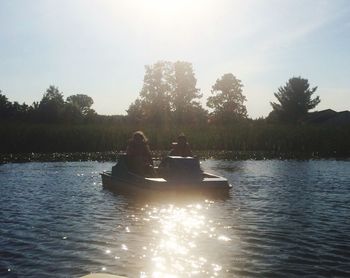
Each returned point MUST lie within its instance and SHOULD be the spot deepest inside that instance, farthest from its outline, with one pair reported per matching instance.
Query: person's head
(138, 137)
(181, 139)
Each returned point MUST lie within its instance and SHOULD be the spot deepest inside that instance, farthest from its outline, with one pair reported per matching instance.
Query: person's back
(181, 147)
(139, 158)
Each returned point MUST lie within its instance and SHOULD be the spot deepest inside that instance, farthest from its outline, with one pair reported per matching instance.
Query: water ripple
(282, 219)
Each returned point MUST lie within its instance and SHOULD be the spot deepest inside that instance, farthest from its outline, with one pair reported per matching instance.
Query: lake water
(281, 219)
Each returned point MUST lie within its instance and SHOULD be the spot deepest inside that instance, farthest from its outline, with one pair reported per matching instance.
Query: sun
(160, 14)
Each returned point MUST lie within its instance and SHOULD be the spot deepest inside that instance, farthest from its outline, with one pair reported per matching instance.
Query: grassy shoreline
(249, 140)
(213, 154)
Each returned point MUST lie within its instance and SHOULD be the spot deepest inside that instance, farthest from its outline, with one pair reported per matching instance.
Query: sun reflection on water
(177, 234)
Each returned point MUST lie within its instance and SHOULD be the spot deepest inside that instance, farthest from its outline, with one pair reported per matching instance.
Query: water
(282, 219)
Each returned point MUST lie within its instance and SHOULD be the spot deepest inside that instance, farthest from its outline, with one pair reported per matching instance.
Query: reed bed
(253, 137)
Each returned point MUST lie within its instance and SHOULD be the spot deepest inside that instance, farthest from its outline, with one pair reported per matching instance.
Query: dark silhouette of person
(181, 147)
(139, 158)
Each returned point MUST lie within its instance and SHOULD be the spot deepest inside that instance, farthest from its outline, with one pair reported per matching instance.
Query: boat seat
(214, 179)
(179, 167)
(156, 179)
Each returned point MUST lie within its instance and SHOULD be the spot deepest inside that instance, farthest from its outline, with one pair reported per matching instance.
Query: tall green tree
(136, 111)
(227, 100)
(82, 102)
(168, 92)
(156, 91)
(184, 94)
(5, 106)
(51, 105)
(19, 111)
(13, 111)
(294, 101)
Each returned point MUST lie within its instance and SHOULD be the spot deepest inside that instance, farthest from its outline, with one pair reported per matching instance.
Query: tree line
(169, 103)
(51, 109)
(169, 95)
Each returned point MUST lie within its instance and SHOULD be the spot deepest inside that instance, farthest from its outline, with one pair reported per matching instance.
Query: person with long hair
(139, 157)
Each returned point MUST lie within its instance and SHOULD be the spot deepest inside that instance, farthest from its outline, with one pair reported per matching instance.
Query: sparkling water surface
(281, 219)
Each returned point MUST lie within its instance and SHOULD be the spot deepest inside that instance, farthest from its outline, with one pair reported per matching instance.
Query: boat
(174, 174)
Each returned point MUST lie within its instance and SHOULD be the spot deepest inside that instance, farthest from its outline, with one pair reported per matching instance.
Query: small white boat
(174, 174)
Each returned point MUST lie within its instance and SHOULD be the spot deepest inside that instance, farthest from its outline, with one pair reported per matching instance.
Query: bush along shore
(250, 140)
(111, 156)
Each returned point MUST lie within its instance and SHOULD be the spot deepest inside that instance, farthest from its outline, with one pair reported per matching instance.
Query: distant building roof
(342, 118)
(329, 116)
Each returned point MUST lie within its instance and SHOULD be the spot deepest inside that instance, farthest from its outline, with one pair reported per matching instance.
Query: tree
(168, 92)
(52, 96)
(51, 105)
(295, 100)
(71, 113)
(82, 102)
(228, 101)
(13, 111)
(184, 93)
(136, 112)
(5, 106)
(155, 92)
(19, 111)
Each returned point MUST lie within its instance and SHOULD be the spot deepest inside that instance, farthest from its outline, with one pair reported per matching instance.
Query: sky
(100, 47)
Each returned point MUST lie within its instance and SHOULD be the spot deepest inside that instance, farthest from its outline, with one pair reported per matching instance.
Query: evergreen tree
(295, 100)
(5, 107)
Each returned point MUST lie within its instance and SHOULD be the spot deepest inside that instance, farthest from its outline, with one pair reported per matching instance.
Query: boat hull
(137, 184)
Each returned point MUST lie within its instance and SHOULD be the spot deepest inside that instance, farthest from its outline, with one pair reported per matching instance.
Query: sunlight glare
(175, 251)
(175, 23)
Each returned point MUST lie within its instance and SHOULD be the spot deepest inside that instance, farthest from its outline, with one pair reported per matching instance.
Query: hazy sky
(100, 47)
